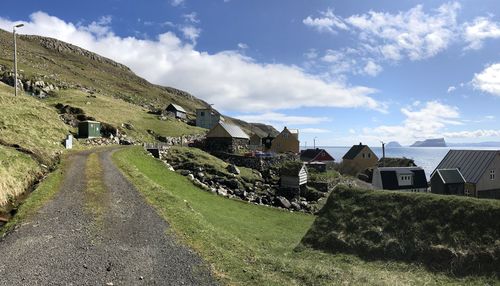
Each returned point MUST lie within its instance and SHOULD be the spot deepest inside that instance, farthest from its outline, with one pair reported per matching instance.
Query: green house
(89, 129)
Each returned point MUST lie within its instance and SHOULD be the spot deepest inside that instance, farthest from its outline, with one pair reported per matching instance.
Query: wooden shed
(89, 129)
(293, 175)
(176, 110)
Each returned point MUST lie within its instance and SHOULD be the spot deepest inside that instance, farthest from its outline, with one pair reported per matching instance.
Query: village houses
(468, 172)
(359, 158)
(286, 141)
(226, 137)
(176, 110)
(207, 118)
(408, 179)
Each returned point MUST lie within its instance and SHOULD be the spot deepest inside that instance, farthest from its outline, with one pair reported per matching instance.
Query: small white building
(293, 175)
(408, 179)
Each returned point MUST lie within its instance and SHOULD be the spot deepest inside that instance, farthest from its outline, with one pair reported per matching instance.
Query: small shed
(293, 175)
(448, 182)
(89, 129)
(225, 137)
(177, 110)
(316, 155)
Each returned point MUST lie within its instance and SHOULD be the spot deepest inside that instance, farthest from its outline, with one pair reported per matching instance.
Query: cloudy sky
(338, 71)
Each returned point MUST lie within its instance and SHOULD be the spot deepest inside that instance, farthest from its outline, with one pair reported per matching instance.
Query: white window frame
(492, 175)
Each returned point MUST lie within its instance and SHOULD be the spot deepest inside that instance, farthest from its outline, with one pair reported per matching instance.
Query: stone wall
(254, 162)
(227, 145)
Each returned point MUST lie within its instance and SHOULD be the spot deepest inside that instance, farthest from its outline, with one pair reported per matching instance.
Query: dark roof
(450, 176)
(471, 163)
(311, 154)
(353, 152)
(177, 107)
(234, 130)
(389, 178)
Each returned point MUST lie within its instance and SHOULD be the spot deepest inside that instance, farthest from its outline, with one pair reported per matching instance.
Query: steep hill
(60, 65)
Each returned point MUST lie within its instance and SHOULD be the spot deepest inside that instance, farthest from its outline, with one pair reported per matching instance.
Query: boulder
(295, 206)
(233, 169)
(282, 202)
(190, 177)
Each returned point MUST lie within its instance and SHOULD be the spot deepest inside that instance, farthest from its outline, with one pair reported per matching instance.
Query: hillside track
(64, 243)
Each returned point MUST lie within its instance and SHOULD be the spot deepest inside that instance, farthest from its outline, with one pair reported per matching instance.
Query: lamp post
(15, 56)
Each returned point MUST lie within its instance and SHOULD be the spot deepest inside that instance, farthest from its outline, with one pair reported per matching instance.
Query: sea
(426, 157)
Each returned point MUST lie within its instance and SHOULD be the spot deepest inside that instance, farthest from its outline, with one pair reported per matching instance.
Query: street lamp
(15, 56)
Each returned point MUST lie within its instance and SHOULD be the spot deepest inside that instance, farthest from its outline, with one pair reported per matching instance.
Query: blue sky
(337, 71)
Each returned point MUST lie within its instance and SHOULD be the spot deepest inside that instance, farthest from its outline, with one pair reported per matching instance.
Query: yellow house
(286, 141)
(359, 158)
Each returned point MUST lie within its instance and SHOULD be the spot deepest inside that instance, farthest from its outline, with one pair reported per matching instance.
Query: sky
(342, 72)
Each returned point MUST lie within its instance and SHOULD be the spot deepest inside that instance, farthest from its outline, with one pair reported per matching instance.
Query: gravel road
(63, 244)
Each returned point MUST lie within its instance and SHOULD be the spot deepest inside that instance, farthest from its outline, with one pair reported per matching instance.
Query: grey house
(480, 170)
(176, 110)
(207, 118)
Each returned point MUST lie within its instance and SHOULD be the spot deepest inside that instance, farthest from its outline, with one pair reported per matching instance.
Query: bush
(445, 233)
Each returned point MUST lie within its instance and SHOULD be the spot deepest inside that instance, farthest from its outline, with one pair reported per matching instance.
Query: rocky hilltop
(438, 142)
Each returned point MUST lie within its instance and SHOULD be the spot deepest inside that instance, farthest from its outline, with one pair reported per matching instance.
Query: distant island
(438, 142)
(393, 144)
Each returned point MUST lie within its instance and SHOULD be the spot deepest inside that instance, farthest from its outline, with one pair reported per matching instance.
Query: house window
(492, 174)
(363, 155)
(369, 155)
(466, 192)
(202, 113)
(285, 135)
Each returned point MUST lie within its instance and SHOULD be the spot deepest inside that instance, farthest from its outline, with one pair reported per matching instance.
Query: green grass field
(246, 244)
(116, 112)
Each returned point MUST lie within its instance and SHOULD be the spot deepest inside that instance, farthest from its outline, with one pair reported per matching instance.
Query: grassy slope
(33, 126)
(200, 158)
(73, 67)
(445, 232)
(43, 193)
(254, 245)
(115, 112)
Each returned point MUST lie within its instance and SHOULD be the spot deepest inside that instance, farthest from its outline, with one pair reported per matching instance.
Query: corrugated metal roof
(233, 130)
(471, 163)
(178, 107)
(451, 176)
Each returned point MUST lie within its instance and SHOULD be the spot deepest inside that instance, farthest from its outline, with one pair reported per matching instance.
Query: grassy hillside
(31, 134)
(116, 112)
(68, 66)
(247, 244)
(31, 124)
(449, 233)
(64, 64)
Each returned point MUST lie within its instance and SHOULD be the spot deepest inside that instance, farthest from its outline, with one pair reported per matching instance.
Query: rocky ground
(63, 245)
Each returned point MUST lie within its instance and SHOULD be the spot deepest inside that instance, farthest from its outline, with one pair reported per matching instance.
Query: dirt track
(64, 245)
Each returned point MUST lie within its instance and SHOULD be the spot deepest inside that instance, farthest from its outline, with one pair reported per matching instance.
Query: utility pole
(383, 153)
(314, 142)
(15, 56)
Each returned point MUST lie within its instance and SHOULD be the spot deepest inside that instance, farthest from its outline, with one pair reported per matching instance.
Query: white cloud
(480, 29)
(473, 134)
(176, 3)
(414, 33)
(371, 68)
(281, 119)
(228, 79)
(427, 122)
(191, 17)
(328, 22)
(311, 54)
(488, 80)
(314, 131)
(190, 33)
(451, 89)
(242, 46)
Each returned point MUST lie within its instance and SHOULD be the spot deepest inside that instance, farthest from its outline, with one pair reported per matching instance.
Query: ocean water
(426, 157)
